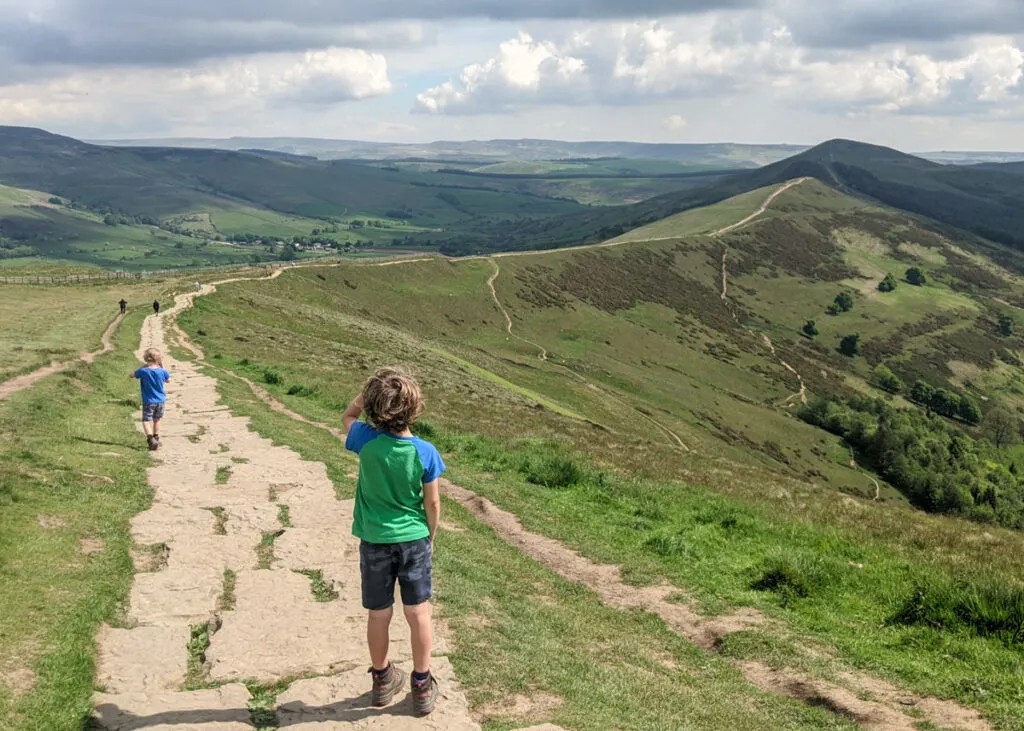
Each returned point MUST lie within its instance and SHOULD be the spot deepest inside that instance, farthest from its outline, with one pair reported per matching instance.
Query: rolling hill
(986, 200)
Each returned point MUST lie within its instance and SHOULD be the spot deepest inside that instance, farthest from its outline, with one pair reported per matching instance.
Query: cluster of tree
(359, 223)
(937, 466)
(842, 303)
(888, 284)
(947, 403)
(121, 219)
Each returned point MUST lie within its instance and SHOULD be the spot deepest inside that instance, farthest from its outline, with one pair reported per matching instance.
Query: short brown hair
(152, 355)
(392, 400)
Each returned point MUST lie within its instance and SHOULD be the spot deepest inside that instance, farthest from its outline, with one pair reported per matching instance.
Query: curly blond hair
(152, 355)
(392, 400)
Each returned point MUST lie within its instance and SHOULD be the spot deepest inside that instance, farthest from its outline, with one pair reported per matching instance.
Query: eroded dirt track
(20, 383)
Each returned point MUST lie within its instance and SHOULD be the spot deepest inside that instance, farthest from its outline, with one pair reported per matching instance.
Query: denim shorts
(152, 412)
(381, 564)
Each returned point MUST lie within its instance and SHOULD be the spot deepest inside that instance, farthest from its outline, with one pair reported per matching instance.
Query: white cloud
(614, 64)
(333, 75)
(674, 123)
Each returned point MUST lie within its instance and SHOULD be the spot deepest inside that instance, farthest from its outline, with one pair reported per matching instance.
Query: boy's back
(152, 380)
(389, 495)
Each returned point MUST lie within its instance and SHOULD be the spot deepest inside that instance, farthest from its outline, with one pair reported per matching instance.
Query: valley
(758, 452)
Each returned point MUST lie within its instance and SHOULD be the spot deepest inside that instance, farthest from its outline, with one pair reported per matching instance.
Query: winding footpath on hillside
(802, 393)
(234, 520)
(674, 439)
(20, 383)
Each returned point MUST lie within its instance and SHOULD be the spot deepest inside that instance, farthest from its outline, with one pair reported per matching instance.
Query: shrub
(668, 545)
(552, 471)
(886, 380)
(987, 608)
(888, 284)
(916, 277)
(1006, 325)
(272, 377)
(850, 346)
(794, 577)
(844, 302)
(810, 329)
(243, 362)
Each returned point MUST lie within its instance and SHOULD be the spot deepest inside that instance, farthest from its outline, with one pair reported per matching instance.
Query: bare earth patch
(50, 522)
(533, 707)
(20, 680)
(91, 546)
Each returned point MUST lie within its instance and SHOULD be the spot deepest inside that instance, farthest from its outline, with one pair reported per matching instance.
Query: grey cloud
(859, 23)
(157, 32)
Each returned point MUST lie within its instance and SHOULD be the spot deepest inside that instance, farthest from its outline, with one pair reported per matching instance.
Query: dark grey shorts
(152, 412)
(381, 564)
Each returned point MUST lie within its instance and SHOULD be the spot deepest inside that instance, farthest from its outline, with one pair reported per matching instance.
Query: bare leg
(378, 637)
(147, 428)
(156, 427)
(422, 635)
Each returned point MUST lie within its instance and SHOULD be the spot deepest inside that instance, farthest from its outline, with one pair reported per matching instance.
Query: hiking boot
(424, 696)
(385, 686)
(156, 439)
(153, 444)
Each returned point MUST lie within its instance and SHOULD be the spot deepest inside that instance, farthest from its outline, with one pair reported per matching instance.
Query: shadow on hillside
(290, 714)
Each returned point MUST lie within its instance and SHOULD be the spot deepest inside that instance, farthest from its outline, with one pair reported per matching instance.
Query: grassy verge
(518, 629)
(65, 565)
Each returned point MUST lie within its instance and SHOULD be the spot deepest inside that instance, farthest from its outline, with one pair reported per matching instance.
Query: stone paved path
(275, 629)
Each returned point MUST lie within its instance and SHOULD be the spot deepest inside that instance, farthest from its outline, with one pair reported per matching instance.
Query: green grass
(42, 324)
(223, 475)
(322, 590)
(55, 597)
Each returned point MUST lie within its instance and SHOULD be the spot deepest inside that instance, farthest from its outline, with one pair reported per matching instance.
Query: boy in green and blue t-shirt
(397, 510)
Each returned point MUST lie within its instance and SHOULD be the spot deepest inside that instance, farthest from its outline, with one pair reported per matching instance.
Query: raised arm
(353, 412)
(432, 504)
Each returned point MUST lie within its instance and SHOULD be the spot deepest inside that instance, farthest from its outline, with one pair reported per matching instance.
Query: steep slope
(163, 181)
(985, 200)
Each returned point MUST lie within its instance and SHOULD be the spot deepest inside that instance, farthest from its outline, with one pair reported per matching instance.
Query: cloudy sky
(916, 74)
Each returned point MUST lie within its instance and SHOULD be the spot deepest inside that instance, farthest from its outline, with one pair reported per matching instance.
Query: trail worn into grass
(20, 383)
(873, 703)
(674, 439)
(802, 393)
(227, 633)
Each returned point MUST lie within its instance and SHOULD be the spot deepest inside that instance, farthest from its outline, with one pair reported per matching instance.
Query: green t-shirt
(389, 494)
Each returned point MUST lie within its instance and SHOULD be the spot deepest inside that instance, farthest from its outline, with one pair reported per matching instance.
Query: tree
(923, 393)
(1006, 325)
(288, 252)
(810, 329)
(850, 345)
(110, 219)
(888, 284)
(1001, 427)
(844, 301)
(886, 380)
(916, 277)
(970, 412)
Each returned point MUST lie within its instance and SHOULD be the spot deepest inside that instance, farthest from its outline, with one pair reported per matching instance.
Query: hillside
(622, 377)
(985, 200)
(633, 479)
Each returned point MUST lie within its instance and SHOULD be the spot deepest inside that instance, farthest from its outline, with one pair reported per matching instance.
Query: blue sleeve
(136, 373)
(433, 465)
(166, 374)
(359, 436)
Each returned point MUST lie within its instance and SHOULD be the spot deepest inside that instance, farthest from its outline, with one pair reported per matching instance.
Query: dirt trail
(233, 550)
(802, 393)
(675, 441)
(508, 318)
(20, 383)
(873, 703)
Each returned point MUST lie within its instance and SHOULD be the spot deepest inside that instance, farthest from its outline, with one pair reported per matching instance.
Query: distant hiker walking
(198, 286)
(124, 305)
(152, 378)
(398, 507)
(156, 307)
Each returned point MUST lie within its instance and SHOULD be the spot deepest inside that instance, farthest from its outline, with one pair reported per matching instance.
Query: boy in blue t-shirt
(152, 379)
(397, 511)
